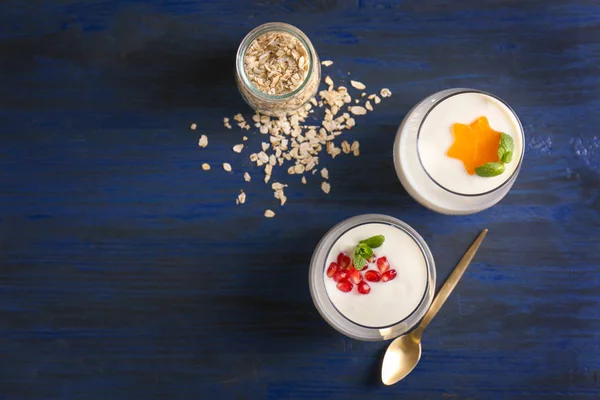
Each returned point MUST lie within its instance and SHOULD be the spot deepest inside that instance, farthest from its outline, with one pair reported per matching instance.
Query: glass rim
(337, 237)
(260, 30)
(521, 133)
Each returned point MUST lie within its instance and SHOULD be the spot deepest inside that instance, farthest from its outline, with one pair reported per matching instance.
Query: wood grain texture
(127, 272)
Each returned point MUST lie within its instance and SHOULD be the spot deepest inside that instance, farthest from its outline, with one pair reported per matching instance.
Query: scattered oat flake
(227, 125)
(247, 177)
(193, 127)
(265, 146)
(263, 157)
(241, 197)
(346, 147)
(328, 80)
(358, 110)
(205, 166)
(358, 85)
(325, 187)
(238, 148)
(203, 141)
(269, 214)
(227, 167)
(355, 148)
(238, 117)
(368, 106)
(277, 186)
(325, 173)
(327, 63)
(245, 138)
(304, 180)
(385, 92)
(376, 99)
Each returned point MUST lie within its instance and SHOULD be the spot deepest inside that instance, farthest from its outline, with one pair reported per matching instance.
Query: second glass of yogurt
(386, 298)
(440, 182)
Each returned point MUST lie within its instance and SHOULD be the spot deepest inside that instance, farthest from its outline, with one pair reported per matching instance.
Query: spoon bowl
(404, 353)
(400, 359)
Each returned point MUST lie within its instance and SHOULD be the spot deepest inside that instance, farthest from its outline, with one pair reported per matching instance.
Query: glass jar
(273, 104)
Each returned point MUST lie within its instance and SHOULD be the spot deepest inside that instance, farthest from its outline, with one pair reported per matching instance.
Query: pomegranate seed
(372, 276)
(333, 268)
(343, 260)
(389, 275)
(382, 264)
(364, 288)
(354, 276)
(340, 276)
(344, 286)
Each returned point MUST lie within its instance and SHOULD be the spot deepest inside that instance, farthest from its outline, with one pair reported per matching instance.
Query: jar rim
(254, 34)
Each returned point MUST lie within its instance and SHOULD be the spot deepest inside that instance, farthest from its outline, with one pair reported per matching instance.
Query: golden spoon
(404, 353)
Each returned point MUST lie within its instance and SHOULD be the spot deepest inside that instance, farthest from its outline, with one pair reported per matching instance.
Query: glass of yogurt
(440, 182)
(385, 299)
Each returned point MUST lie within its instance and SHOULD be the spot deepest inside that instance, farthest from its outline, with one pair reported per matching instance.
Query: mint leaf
(363, 250)
(490, 169)
(359, 262)
(374, 241)
(506, 148)
(362, 253)
(501, 151)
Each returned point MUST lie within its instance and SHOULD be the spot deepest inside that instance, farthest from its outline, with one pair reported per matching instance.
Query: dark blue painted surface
(127, 272)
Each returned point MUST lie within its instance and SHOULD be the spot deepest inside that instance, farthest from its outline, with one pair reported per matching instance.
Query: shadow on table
(167, 75)
(278, 303)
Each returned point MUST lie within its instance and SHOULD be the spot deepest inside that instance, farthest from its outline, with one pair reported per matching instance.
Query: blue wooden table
(127, 272)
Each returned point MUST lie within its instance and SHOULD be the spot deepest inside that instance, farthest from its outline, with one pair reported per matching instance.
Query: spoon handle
(450, 284)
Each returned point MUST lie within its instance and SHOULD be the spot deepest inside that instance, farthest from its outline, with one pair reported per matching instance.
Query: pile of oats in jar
(304, 140)
(276, 63)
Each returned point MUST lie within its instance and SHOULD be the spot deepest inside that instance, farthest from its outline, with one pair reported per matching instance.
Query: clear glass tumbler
(446, 196)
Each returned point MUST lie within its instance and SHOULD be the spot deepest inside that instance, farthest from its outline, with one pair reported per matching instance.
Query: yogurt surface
(435, 138)
(388, 302)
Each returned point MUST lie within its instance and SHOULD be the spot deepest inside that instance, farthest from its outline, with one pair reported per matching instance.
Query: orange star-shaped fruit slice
(475, 144)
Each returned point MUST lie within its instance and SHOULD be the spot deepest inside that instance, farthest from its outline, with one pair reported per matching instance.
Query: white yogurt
(390, 302)
(435, 138)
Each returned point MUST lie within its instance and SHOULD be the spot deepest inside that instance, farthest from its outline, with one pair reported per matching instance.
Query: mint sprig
(364, 250)
(506, 148)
